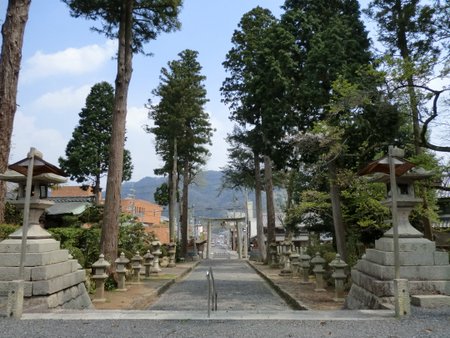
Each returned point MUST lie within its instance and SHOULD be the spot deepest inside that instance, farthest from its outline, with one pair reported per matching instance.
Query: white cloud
(63, 99)
(27, 134)
(70, 61)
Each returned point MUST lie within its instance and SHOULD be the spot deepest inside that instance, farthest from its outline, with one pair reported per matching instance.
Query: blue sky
(62, 59)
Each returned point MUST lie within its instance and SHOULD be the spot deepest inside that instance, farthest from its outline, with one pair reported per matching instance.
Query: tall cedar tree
(87, 153)
(181, 123)
(331, 42)
(133, 23)
(11, 55)
(258, 90)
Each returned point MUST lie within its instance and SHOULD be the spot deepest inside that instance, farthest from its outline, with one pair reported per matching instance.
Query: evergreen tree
(133, 23)
(181, 124)
(258, 91)
(332, 45)
(87, 153)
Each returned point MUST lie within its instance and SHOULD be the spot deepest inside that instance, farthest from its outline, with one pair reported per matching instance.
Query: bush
(6, 230)
(12, 214)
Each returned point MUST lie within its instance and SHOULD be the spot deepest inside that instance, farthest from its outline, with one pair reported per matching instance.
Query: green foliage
(83, 244)
(313, 210)
(93, 214)
(133, 237)
(161, 194)
(259, 86)
(12, 214)
(149, 17)
(6, 230)
(180, 114)
(87, 153)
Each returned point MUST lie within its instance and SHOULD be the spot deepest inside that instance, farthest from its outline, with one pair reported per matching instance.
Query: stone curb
(288, 298)
(143, 302)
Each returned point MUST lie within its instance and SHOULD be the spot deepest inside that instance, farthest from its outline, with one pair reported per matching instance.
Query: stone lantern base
(52, 279)
(427, 272)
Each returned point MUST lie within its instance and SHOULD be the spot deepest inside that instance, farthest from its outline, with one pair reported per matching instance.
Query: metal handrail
(212, 292)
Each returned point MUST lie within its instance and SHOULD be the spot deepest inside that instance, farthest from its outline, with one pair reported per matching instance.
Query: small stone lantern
(148, 263)
(287, 269)
(295, 262)
(273, 254)
(121, 271)
(305, 265)
(339, 277)
(136, 265)
(156, 245)
(99, 275)
(172, 251)
(319, 271)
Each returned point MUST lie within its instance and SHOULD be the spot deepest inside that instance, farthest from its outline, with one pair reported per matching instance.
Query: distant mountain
(205, 196)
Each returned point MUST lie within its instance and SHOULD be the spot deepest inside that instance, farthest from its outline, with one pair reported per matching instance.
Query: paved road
(238, 287)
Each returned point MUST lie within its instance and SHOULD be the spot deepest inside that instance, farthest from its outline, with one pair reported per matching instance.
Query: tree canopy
(87, 153)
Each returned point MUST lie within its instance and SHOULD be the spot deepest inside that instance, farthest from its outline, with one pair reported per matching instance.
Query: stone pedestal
(427, 272)
(52, 280)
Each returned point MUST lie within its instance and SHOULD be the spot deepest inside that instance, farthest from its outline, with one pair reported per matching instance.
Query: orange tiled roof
(70, 191)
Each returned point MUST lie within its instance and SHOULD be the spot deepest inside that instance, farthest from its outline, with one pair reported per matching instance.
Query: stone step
(430, 301)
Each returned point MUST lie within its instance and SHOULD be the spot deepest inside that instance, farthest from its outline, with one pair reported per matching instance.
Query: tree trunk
(270, 205)
(173, 194)
(110, 228)
(11, 55)
(335, 195)
(185, 215)
(259, 215)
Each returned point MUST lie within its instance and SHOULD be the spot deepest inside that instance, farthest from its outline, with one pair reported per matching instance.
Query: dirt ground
(303, 293)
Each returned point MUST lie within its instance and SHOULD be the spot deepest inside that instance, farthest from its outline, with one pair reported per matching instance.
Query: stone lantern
(43, 175)
(402, 263)
(99, 275)
(273, 254)
(156, 245)
(295, 262)
(148, 263)
(121, 271)
(287, 268)
(406, 200)
(136, 265)
(30, 255)
(305, 265)
(339, 276)
(172, 252)
(319, 271)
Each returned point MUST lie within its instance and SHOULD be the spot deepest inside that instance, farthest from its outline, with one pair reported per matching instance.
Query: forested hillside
(205, 195)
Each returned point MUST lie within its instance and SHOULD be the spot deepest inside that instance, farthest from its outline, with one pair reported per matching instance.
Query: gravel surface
(422, 323)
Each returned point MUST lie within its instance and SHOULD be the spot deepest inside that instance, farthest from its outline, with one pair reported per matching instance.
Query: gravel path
(238, 288)
(422, 323)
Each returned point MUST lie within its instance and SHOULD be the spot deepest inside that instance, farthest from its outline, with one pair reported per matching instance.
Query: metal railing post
(212, 293)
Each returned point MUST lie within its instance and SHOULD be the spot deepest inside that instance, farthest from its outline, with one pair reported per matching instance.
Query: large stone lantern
(403, 262)
(43, 175)
(49, 277)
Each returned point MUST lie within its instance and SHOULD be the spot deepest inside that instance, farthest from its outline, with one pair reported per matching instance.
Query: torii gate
(236, 221)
